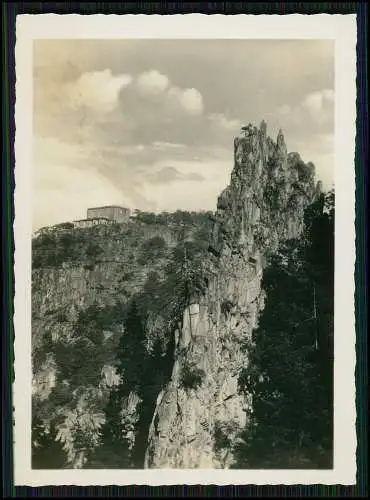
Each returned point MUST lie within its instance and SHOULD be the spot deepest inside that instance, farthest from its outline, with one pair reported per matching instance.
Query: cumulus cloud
(226, 123)
(170, 174)
(319, 149)
(309, 129)
(318, 107)
(152, 82)
(190, 100)
(319, 104)
(97, 90)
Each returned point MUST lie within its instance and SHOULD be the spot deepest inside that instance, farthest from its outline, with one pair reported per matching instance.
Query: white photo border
(341, 29)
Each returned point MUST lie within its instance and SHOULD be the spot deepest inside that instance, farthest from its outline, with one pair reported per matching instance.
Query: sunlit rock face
(262, 206)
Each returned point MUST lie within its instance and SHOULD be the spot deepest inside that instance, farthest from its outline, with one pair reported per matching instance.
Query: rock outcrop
(262, 207)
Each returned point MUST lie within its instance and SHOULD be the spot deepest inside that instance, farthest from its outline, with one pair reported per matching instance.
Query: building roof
(108, 206)
(91, 218)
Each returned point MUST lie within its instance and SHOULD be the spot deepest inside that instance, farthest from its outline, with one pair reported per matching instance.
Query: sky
(149, 124)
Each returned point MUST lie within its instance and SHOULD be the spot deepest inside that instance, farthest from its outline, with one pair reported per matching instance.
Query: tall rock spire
(262, 206)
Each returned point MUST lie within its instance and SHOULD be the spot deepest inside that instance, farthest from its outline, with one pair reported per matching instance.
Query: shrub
(152, 249)
(191, 377)
(222, 434)
(65, 225)
(93, 250)
(146, 217)
(305, 171)
(154, 244)
(61, 317)
(226, 307)
(128, 276)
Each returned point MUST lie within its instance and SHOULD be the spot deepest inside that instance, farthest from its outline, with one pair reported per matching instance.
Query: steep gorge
(201, 330)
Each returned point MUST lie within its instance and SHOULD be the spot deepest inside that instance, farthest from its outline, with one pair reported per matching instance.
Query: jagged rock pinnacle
(262, 206)
(281, 146)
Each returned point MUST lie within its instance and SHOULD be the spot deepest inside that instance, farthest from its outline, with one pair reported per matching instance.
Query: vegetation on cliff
(290, 368)
(128, 335)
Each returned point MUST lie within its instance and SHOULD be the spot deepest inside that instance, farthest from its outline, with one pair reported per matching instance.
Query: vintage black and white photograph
(182, 269)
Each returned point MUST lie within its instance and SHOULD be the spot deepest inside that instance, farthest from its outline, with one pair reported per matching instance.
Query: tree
(290, 369)
(131, 350)
(152, 249)
(47, 453)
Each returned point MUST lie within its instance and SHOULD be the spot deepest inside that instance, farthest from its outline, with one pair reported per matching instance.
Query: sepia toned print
(184, 226)
(178, 337)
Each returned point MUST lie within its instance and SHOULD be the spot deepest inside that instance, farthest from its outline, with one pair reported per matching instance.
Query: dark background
(10, 11)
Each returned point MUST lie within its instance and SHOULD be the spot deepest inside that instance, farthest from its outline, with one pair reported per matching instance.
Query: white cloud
(203, 194)
(159, 145)
(309, 128)
(97, 90)
(319, 149)
(67, 184)
(224, 122)
(284, 110)
(190, 100)
(75, 193)
(329, 94)
(155, 85)
(314, 103)
(48, 150)
(152, 82)
(318, 107)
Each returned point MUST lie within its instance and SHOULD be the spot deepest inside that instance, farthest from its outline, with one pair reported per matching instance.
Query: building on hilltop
(83, 223)
(111, 212)
(96, 216)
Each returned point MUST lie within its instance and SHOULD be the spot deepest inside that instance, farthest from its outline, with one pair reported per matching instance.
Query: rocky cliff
(97, 290)
(83, 284)
(200, 412)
